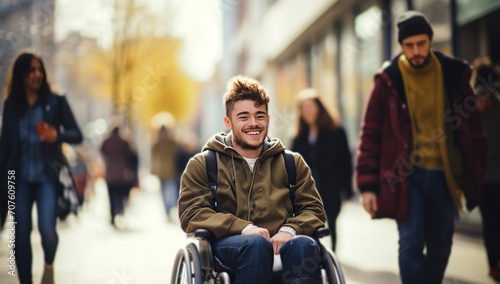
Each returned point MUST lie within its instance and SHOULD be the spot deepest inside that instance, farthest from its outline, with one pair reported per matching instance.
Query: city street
(143, 249)
(127, 91)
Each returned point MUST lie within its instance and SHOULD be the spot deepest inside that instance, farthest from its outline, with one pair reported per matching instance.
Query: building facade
(25, 24)
(336, 46)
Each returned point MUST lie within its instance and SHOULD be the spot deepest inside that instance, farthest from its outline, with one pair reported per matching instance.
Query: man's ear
(227, 122)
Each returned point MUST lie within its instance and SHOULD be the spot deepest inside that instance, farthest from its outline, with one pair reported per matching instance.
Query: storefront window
(290, 78)
(397, 8)
(439, 14)
(323, 73)
(368, 30)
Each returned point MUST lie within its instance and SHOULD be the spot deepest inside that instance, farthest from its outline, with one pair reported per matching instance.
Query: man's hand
(258, 231)
(279, 239)
(369, 201)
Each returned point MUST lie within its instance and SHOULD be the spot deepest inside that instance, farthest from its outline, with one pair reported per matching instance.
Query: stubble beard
(424, 63)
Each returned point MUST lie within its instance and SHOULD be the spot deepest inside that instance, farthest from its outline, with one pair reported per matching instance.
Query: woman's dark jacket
(56, 112)
(330, 163)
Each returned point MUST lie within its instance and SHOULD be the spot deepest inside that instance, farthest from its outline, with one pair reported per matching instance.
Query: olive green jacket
(243, 197)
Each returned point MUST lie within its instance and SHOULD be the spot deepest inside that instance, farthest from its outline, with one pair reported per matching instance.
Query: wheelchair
(196, 264)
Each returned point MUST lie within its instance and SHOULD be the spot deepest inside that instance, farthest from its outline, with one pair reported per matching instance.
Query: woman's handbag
(67, 198)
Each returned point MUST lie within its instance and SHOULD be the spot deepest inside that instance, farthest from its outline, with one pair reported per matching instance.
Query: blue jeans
(170, 194)
(430, 225)
(45, 196)
(252, 258)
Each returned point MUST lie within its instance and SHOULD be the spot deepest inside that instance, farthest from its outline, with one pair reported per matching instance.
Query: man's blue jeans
(430, 225)
(252, 258)
(45, 196)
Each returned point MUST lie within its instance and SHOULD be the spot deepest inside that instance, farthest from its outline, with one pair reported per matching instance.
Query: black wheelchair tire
(187, 263)
(333, 270)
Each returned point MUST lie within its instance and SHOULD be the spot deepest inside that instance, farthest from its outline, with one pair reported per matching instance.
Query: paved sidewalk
(368, 251)
(92, 251)
(143, 251)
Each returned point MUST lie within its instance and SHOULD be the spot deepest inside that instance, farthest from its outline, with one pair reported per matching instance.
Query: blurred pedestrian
(322, 142)
(163, 166)
(422, 148)
(121, 171)
(36, 122)
(487, 89)
(187, 149)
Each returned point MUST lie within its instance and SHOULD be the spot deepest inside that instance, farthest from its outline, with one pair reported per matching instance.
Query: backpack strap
(292, 176)
(211, 163)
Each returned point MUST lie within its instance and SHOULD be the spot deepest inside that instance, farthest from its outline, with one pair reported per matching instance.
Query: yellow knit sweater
(432, 140)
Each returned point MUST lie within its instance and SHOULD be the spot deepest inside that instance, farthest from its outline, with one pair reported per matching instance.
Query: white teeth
(253, 133)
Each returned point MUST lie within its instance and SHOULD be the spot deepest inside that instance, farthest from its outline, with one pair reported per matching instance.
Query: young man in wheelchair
(254, 213)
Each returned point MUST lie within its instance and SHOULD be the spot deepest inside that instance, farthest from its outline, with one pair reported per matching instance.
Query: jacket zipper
(251, 186)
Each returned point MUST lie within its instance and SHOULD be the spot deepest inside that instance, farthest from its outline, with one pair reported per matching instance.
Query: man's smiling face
(249, 124)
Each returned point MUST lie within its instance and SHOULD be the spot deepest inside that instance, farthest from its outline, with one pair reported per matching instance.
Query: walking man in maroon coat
(422, 149)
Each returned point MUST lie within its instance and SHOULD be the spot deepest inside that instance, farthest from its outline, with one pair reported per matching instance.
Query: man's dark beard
(245, 145)
(426, 61)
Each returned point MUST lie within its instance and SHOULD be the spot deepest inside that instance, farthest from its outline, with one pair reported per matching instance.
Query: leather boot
(48, 274)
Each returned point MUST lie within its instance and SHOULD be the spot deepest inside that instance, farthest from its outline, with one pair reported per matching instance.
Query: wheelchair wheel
(187, 266)
(333, 270)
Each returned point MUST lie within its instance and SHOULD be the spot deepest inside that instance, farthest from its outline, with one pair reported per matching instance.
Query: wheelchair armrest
(322, 232)
(202, 234)
(205, 239)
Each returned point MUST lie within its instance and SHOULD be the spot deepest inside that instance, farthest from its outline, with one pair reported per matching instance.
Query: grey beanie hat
(412, 23)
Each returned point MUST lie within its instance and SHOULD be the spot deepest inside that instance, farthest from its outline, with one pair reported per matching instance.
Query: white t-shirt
(251, 162)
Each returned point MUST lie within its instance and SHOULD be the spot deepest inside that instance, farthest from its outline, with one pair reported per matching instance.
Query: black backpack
(211, 161)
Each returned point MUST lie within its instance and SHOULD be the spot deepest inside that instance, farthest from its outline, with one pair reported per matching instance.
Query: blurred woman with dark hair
(35, 124)
(323, 145)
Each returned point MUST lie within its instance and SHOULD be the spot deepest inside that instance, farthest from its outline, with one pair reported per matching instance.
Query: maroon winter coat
(386, 137)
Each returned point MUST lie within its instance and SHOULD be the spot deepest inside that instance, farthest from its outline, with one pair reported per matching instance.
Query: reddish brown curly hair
(242, 88)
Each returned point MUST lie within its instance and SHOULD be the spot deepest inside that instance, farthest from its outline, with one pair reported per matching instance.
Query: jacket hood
(222, 143)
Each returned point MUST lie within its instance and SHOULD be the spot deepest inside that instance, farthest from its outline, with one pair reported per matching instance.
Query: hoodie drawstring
(234, 168)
